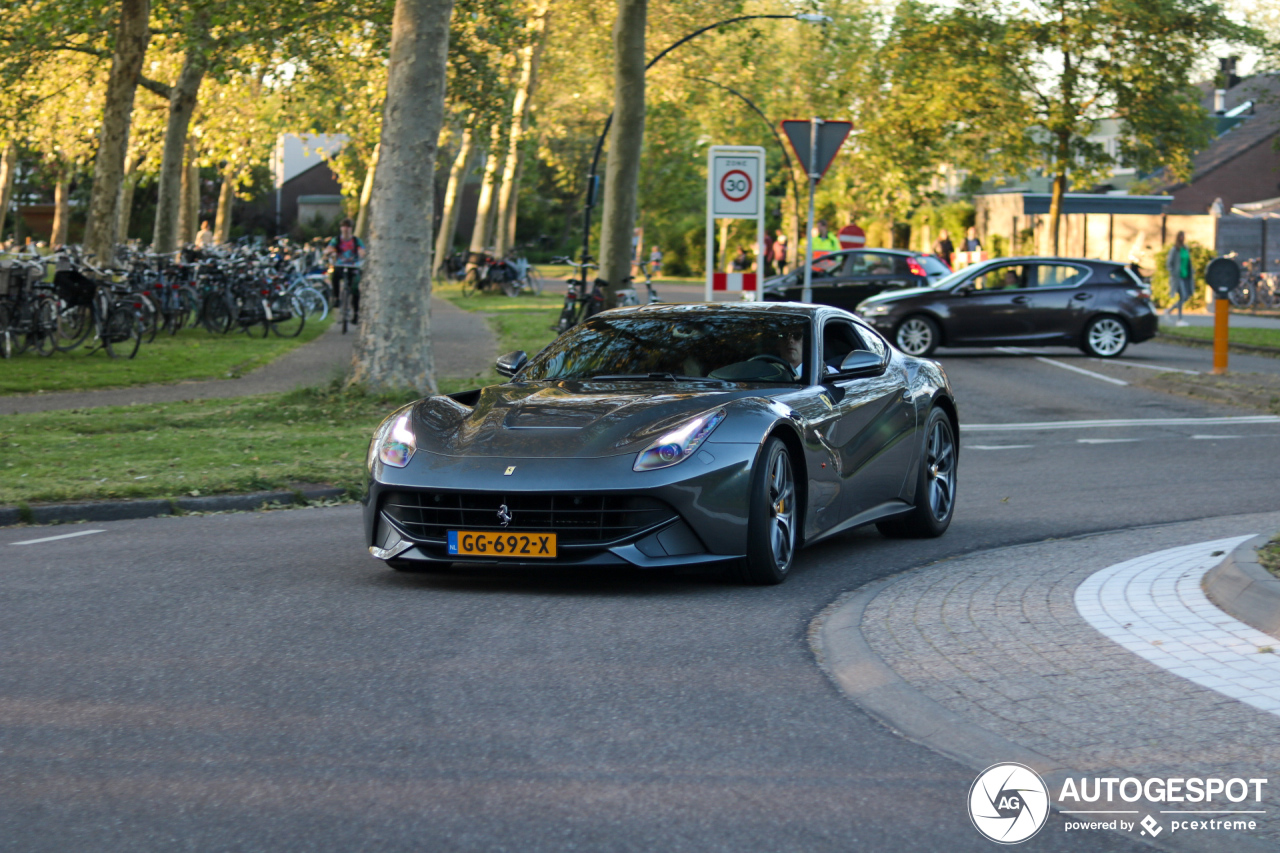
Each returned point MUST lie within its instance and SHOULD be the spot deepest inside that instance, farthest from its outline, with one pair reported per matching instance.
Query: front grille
(576, 519)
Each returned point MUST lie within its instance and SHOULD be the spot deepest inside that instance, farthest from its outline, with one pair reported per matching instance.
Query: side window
(1008, 277)
(872, 342)
(826, 267)
(838, 340)
(1059, 275)
(872, 263)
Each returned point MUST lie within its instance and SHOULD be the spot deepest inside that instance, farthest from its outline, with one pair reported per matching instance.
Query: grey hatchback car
(1099, 306)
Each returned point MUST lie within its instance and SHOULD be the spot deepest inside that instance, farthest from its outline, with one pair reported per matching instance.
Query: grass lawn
(190, 354)
(1236, 335)
(197, 447)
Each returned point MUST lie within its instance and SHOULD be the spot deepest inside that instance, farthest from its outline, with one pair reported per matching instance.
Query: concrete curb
(1196, 342)
(847, 658)
(121, 510)
(1243, 588)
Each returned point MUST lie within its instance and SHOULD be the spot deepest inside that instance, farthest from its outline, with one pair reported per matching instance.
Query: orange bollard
(1221, 311)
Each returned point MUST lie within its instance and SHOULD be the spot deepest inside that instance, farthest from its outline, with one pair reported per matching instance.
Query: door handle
(906, 395)
(1021, 300)
(1083, 296)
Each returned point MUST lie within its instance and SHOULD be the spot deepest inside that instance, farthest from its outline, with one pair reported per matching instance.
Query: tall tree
(452, 200)
(132, 36)
(509, 196)
(183, 96)
(626, 136)
(393, 348)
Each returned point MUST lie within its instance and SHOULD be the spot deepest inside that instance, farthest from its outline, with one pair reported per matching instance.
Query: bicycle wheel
(346, 308)
(287, 320)
(148, 313)
(510, 286)
(1242, 295)
(184, 304)
(216, 314)
(471, 282)
(122, 331)
(45, 327)
(253, 317)
(74, 324)
(6, 341)
(312, 303)
(533, 280)
(1269, 292)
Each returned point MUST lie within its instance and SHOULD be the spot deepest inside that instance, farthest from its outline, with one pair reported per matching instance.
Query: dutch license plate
(475, 543)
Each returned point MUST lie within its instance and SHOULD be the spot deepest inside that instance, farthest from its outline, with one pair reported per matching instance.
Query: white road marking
(56, 538)
(1154, 606)
(996, 446)
(1105, 440)
(1126, 422)
(1215, 437)
(1063, 365)
(1147, 366)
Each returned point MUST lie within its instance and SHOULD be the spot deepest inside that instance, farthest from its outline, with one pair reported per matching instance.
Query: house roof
(1264, 123)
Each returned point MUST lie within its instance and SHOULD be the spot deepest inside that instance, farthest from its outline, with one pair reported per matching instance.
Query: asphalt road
(258, 682)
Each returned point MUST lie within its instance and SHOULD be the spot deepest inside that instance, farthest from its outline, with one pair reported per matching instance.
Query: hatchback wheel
(917, 335)
(1105, 337)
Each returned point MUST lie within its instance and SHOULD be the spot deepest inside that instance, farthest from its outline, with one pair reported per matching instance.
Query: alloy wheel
(940, 465)
(782, 511)
(1107, 337)
(915, 337)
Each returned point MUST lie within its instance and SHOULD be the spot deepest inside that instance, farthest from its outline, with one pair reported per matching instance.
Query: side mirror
(861, 361)
(965, 290)
(512, 363)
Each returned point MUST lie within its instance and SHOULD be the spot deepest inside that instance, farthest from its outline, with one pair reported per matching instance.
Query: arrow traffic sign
(831, 135)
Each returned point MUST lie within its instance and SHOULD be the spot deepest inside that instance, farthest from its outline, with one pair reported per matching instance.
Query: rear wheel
(45, 327)
(287, 317)
(772, 519)
(122, 331)
(1105, 337)
(917, 335)
(935, 484)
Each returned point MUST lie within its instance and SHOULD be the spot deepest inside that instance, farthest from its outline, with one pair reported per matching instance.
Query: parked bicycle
(579, 302)
(1257, 289)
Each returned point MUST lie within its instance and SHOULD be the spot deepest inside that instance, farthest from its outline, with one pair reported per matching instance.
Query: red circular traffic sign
(735, 185)
(852, 237)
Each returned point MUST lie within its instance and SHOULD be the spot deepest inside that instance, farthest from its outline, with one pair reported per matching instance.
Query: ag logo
(1008, 803)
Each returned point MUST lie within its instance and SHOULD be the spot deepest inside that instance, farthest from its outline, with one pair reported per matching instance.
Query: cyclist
(346, 248)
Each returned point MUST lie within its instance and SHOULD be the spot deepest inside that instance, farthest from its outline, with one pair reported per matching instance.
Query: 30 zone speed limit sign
(735, 185)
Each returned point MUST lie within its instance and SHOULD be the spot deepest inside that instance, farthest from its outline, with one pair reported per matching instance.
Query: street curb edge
(154, 508)
(1240, 586)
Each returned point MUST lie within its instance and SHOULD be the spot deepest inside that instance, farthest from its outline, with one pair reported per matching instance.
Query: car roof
(1051, 259)
(792, 308)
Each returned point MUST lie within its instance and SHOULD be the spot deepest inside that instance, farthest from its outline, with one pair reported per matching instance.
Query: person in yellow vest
(823, 241)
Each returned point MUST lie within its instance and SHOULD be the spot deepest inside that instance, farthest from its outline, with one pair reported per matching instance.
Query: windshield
(732, 346)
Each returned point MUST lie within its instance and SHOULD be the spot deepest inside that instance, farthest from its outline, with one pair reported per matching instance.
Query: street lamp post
(593, 177)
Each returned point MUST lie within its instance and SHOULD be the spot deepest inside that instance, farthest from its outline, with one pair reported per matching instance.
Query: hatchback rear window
(932, 265)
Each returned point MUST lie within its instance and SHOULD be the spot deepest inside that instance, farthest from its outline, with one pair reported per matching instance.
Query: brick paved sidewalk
(999, 663)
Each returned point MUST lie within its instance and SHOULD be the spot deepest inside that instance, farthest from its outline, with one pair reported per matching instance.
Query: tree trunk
(393, 346)
(125, 205)
(480, 233)
(182, 103)
(366, 192)
(622, 173)
(113, 140)
(1055, 210)
(452, 201)
(190, 209)
(509, 197)
(226, 195)
(61, 209)
(8, 167)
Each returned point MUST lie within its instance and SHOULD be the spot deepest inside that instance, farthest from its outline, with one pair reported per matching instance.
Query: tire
(122, 331)
(45, 327)
(312, 302)
(74, 325)
(772, 536)
(346, 308)
(533, 280)
(216, 314)
(935, 502)
(1105, 337)
(917, 335)
(6, 339)
(287, 318)
(149, 314)
(471, 282)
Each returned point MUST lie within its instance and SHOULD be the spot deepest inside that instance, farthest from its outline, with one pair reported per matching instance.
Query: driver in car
(791, 349)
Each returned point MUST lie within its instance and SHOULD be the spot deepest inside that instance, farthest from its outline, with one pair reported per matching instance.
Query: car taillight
(916, 268)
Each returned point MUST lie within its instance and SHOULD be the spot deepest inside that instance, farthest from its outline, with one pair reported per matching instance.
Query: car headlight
(678, 444)
(394, 441)
(875, 310)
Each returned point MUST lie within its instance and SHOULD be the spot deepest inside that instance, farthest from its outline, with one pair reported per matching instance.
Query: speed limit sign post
(735, 190)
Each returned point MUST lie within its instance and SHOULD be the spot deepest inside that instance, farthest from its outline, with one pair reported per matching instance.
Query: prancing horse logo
(504, 515)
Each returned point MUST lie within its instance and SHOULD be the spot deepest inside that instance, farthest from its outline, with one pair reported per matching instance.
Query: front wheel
(935, 502)
(772, 518)
(1105, 337)
(917, 336)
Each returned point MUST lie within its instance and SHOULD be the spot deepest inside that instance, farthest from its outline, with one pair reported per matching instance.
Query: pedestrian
(971, 241)
(780, 253)
(1178, 263)
(944, 248)
(768, 253)
(205, 238)
(741, 261)
(823, 241)
(655, 262)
